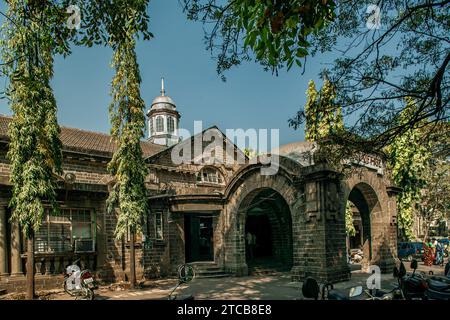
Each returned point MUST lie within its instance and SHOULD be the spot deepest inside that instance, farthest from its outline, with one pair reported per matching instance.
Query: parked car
(410, 250)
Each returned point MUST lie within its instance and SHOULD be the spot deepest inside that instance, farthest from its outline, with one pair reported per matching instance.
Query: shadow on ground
(277, 286)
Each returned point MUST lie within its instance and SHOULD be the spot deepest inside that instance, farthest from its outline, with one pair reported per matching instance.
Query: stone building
(203, 210)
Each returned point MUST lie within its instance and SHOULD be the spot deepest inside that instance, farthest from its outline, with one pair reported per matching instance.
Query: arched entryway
(268, 231)
(364, 204)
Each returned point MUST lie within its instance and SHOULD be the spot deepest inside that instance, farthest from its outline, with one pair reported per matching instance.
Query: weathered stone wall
(321, 230)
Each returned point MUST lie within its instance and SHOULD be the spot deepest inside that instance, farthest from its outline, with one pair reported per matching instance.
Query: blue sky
(251, 97)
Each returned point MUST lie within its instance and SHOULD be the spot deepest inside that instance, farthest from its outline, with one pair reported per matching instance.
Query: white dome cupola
(163, 120)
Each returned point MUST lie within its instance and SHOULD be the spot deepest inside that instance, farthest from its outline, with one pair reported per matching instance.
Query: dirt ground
(276, 286)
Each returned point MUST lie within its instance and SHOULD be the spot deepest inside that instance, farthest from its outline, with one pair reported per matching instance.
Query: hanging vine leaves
(33, 32)
(29, 39)
(127, 117)
(349, 227)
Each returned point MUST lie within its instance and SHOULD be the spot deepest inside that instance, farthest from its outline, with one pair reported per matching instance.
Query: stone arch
(364, 197)
(367, 191)
(266, 215)
(240, 196)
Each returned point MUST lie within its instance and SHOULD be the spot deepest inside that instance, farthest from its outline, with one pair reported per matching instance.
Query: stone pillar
(3, 248)
(234, 257)
(16, 260)
(321, 249)
(389, 245)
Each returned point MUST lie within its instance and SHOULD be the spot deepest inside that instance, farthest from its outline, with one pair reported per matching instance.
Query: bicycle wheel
(186, 273)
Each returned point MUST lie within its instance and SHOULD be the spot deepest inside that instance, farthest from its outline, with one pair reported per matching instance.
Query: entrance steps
(266, 267)
(208, 270)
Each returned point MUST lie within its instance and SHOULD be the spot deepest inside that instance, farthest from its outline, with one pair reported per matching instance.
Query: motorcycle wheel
(65, 288)
(89, 294)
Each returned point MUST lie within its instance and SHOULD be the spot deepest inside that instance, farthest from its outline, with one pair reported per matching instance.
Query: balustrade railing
(55, 263)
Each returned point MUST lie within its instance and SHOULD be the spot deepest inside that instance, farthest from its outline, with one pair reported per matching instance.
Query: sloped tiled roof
(93, 143)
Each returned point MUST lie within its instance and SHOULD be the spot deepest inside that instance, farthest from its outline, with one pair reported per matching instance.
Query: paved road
(275, 287)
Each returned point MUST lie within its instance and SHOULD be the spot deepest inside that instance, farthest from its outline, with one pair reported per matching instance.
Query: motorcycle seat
(337, 295)
(380, 293)
(438, 285)
(437, 295)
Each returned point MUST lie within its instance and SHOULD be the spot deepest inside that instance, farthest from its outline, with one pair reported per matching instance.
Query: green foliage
(407, 160)
(370, 78)
(323, 115)
(250, 153)
(349, 227)
(35, 149)
(128, 123)
(106, 22)
(276, 32)
(434, 205)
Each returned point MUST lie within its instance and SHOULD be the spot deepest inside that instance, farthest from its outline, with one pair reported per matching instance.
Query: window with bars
(159, 234)
(71, 230)
(159, 124)
(170, 125)
(209, 175)
(155, 221)
(151, 126)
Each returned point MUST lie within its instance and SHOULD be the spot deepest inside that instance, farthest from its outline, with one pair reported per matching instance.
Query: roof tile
(77, 140)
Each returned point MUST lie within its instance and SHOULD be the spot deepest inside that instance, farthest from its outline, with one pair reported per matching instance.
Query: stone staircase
(208, 270)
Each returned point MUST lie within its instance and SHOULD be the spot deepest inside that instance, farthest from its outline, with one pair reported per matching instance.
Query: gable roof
(153, 158)
(84, 141)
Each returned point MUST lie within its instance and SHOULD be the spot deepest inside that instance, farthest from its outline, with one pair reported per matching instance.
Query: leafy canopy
(275, 31)
(375, 68)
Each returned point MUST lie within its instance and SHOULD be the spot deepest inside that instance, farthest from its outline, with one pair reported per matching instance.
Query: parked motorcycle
(185, 274)
(311, 289)
(79, 283)
(412, 286)
(439, 287)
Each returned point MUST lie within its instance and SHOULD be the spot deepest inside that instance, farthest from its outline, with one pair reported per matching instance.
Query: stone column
(389, 244)
(16, 260)
(3, 248)
(234, 257)
(321, 251)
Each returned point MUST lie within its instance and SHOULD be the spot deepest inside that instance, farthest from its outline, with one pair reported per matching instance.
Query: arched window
(210, 175)
(170, 125)
(151, 126)
(159, 124)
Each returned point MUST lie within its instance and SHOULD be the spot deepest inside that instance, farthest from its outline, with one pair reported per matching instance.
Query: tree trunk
(132, 262)
(427, 230)
(30, 266)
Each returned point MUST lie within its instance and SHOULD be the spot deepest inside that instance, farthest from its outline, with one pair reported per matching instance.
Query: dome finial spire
(163, 92)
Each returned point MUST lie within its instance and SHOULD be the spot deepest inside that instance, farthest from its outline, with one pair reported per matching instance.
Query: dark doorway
(259, 227)
(199, 238)
(268, 233)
